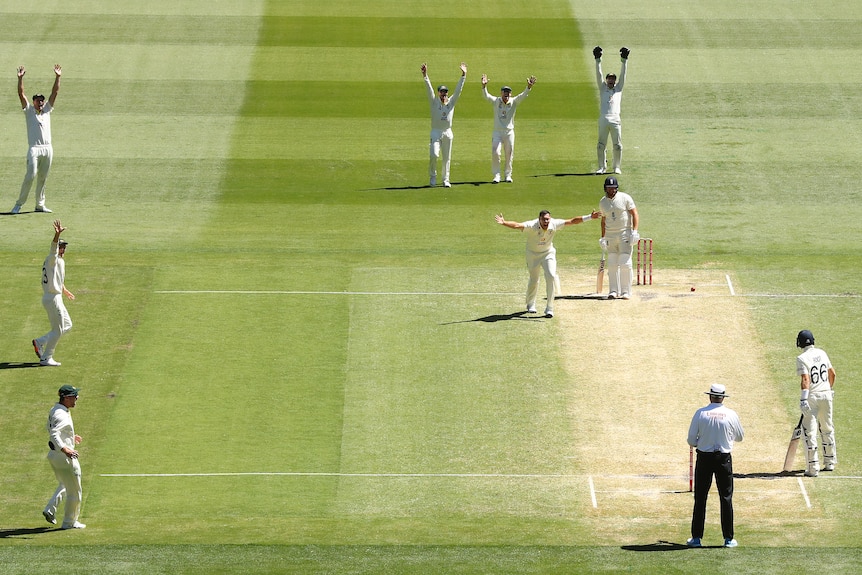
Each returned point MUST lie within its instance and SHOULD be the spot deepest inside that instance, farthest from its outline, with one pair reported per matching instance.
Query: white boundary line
(593, 493)
(804, 493)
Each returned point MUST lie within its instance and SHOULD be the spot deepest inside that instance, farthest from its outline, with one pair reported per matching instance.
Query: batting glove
(635, 236)
(597, 52)
(803, 405)
(624, 53)
(603, 242)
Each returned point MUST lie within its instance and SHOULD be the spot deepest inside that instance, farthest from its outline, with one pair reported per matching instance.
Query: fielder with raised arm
(40, 153)
(610, 98)
(817, 380)
(54, 288)
(442, 111)
(619, 234)
(503, 137)
(541, 253)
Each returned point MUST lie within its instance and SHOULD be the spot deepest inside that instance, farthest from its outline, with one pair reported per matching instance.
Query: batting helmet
(805, 338)
(611, 182)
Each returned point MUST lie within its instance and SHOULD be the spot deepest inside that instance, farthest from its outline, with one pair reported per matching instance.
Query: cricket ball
(692, 288)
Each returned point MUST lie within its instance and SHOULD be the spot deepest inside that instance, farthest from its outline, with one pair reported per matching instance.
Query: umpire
(712, 432)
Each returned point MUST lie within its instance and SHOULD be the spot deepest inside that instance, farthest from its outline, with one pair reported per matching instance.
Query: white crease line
(593, 493)
(804, 493)
(729, 284)
(333, 474)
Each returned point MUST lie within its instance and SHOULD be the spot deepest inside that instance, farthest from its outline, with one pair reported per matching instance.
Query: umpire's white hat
(717, 390)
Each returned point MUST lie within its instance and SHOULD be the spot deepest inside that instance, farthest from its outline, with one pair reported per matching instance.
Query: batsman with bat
(817, 380)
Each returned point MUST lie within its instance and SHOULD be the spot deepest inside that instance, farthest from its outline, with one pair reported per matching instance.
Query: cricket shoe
(694, 542)
(446, 184)
(49, 517)
(811, 474)
(50, 361)
(612, 295)
(37, 348)
(618, 171)
(531, 309)
(625, 296)
(75, 525)
(44, 210)
(496, 179)
(509, 179)
(730, 543)
(600, 171)
(433, 181)
(549, 313)
(16, 209)
(829, 467)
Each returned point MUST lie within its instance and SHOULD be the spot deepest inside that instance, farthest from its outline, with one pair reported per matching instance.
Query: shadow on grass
(583, 296)
(566, 175)
(18, 364)
(427, 187)
(764, 475)
(499, 317)
(657, 546)
(23, 531)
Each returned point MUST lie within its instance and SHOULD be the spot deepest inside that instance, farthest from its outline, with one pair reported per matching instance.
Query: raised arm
(581, 219)
(597, 54)
(624, 56)
(57, 72)
(429, 89)
(488, 96)
(21, 96)
(503, 222)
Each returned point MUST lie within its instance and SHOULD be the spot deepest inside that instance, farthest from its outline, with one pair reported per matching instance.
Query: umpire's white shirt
(715, 428)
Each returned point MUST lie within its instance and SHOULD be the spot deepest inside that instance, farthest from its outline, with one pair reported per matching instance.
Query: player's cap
(505, 89)
(805, 338)
(38, 97)
(717, 390)
(61, 243)
(68, 390)
(442, 88)
(611, 182)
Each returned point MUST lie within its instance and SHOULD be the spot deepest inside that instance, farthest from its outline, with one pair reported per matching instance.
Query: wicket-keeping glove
(597, 52)
(624, 53)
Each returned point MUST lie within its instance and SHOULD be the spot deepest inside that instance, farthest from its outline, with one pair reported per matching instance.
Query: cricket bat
(794, 444)
(600, 277)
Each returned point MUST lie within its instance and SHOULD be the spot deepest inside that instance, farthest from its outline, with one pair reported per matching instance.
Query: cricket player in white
(64, 460)
(541, 253)
(40, 152)
(54, 288)
(442, 111)
(503, 137)
(619, 234)
(817, 380)
(610, 98)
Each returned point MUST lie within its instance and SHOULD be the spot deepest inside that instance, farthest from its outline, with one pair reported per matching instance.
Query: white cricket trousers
(546, 261)
(619, 263)
(68, 472)
(506, 142)
(441, 144)
(38, 165)
(819, 418)
(60, 323)
(615, 129)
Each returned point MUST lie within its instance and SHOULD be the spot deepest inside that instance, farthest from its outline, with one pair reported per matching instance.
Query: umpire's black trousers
(720, 465)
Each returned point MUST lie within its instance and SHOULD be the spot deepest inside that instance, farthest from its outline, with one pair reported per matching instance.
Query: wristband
(804, 395)
(587, 217)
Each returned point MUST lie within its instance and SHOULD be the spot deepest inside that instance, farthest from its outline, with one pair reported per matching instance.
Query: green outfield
(295, 357)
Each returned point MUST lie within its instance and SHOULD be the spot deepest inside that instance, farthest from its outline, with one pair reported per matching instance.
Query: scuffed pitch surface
(641, 368)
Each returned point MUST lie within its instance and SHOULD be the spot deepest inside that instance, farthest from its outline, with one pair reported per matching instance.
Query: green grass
(281, 146)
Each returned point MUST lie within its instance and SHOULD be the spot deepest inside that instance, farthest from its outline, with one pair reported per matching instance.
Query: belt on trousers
(710, 452)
